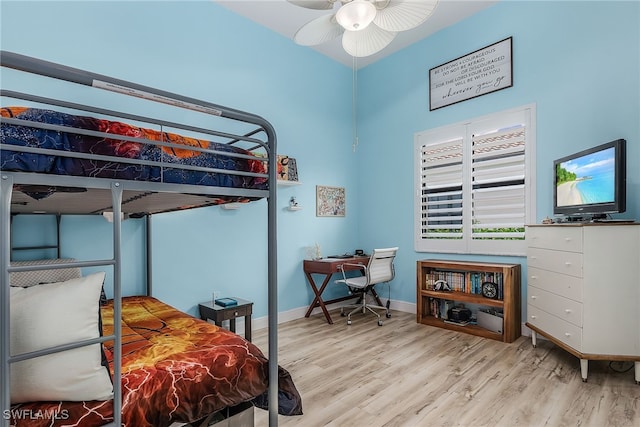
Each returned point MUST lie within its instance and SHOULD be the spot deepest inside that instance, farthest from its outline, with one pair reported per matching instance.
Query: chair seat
(355, 282)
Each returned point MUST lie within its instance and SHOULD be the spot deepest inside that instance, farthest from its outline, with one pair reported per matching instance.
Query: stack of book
(226, 302)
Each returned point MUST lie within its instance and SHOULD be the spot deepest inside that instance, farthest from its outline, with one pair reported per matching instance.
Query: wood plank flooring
(407, 374)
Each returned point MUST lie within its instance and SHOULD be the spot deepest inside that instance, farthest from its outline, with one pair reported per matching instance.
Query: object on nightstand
(226, 302)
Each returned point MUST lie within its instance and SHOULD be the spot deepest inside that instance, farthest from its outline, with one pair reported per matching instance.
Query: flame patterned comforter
(175, 368)
(68, 141)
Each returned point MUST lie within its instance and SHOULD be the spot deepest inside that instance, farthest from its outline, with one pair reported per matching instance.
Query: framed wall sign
(484, 71)
(330, 201)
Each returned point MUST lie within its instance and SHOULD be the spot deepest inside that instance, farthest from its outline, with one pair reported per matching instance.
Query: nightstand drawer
(557, 283)
(558, 238)
(559, 261)
(562, 330)
(233, 312)
(561, 307)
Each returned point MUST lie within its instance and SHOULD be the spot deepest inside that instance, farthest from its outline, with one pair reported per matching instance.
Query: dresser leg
(534, 339)
(637, 370)
(584, 368)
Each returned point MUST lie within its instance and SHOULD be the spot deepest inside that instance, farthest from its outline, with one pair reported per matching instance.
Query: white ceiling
(285, 18)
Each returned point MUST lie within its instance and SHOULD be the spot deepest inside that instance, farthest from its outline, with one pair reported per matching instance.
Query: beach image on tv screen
(586, 180)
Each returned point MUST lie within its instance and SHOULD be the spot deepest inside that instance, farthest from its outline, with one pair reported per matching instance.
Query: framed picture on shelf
(330, 201)
(287, 169)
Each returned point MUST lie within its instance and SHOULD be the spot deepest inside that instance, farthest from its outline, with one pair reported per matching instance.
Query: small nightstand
(208, 310)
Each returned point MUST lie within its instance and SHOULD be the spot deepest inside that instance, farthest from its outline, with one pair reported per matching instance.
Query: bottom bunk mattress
(175, 368)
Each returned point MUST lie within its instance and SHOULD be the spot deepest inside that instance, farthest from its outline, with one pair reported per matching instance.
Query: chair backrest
(380, 268)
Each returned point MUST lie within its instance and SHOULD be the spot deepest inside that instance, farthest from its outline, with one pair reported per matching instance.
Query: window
(475, 184)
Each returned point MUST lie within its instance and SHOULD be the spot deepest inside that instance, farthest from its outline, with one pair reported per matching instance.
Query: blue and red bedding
(69, 141)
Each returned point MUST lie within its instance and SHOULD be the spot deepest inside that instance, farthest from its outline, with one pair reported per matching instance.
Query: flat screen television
(592, 183)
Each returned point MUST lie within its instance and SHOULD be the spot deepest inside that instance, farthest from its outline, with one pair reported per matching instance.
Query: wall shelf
(294, 208)
(231, 206)
(285, 183)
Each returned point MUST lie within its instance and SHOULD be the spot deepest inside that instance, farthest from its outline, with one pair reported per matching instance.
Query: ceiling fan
(366, 26)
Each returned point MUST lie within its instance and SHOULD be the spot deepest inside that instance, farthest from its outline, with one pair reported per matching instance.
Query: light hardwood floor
(407, 374)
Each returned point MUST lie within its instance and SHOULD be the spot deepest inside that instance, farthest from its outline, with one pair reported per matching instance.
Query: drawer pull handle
(235, 313)
(534, 277)
(533, 317)
(533, 297)
(567, 311)
(567, 334)
(567, 239)
(567, 263)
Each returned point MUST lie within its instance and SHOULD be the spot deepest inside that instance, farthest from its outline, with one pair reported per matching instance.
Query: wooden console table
(328, 267)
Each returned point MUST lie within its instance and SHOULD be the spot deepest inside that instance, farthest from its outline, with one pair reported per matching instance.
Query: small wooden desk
(328, 267)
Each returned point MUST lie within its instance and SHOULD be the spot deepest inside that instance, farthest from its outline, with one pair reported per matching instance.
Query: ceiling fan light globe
(356, 15)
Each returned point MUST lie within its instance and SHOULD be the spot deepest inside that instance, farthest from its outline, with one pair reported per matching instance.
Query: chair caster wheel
(343, 314)
(388, 315)
(584, 380)
(379, 322)
(348, 322)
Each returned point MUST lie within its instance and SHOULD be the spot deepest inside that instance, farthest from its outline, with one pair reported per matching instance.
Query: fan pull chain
(354, 102)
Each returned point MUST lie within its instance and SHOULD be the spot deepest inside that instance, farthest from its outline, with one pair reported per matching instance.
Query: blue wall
(578, 61)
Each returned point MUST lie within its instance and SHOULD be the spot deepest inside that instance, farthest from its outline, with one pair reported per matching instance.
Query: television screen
(592, 181)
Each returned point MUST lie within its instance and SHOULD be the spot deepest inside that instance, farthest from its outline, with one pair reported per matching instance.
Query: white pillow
(53, 314)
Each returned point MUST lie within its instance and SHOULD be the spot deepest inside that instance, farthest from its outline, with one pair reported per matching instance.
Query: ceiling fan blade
(366, 42)
(314, 4)
(318, 31)
(402, 15)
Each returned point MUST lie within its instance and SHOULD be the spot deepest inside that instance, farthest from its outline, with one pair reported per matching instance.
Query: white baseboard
(298, 313)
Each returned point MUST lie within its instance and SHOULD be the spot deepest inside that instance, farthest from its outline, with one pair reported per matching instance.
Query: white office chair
(379, 270)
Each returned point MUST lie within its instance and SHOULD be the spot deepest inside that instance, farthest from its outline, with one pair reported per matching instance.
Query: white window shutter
(475, 184)
(441, 190)
(498, 184)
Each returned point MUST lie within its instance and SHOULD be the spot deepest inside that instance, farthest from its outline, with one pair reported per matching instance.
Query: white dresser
(583, 290)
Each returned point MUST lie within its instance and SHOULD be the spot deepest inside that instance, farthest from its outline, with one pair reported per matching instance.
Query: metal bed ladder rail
(6, 186)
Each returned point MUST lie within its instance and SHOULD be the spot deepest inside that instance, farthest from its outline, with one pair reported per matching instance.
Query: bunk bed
(63, 157)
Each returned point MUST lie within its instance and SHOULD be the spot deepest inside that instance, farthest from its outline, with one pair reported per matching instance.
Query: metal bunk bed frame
(116, 188)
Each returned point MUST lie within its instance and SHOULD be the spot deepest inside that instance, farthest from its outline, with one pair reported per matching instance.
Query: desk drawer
(559, 261)
(562, 330)
(555, 237)
(557, 283)
(561, 307)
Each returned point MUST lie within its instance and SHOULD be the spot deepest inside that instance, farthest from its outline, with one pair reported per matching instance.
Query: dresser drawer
(559, 261)
(555, 237)
(561, 284)
(561, 307)
(562, 330)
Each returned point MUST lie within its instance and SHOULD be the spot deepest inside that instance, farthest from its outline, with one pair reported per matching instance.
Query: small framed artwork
(330, 201)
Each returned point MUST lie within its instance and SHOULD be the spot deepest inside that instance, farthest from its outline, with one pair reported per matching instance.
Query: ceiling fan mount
(366, 26)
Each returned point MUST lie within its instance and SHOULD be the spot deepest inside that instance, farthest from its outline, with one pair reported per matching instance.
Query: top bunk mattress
(59, 143)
